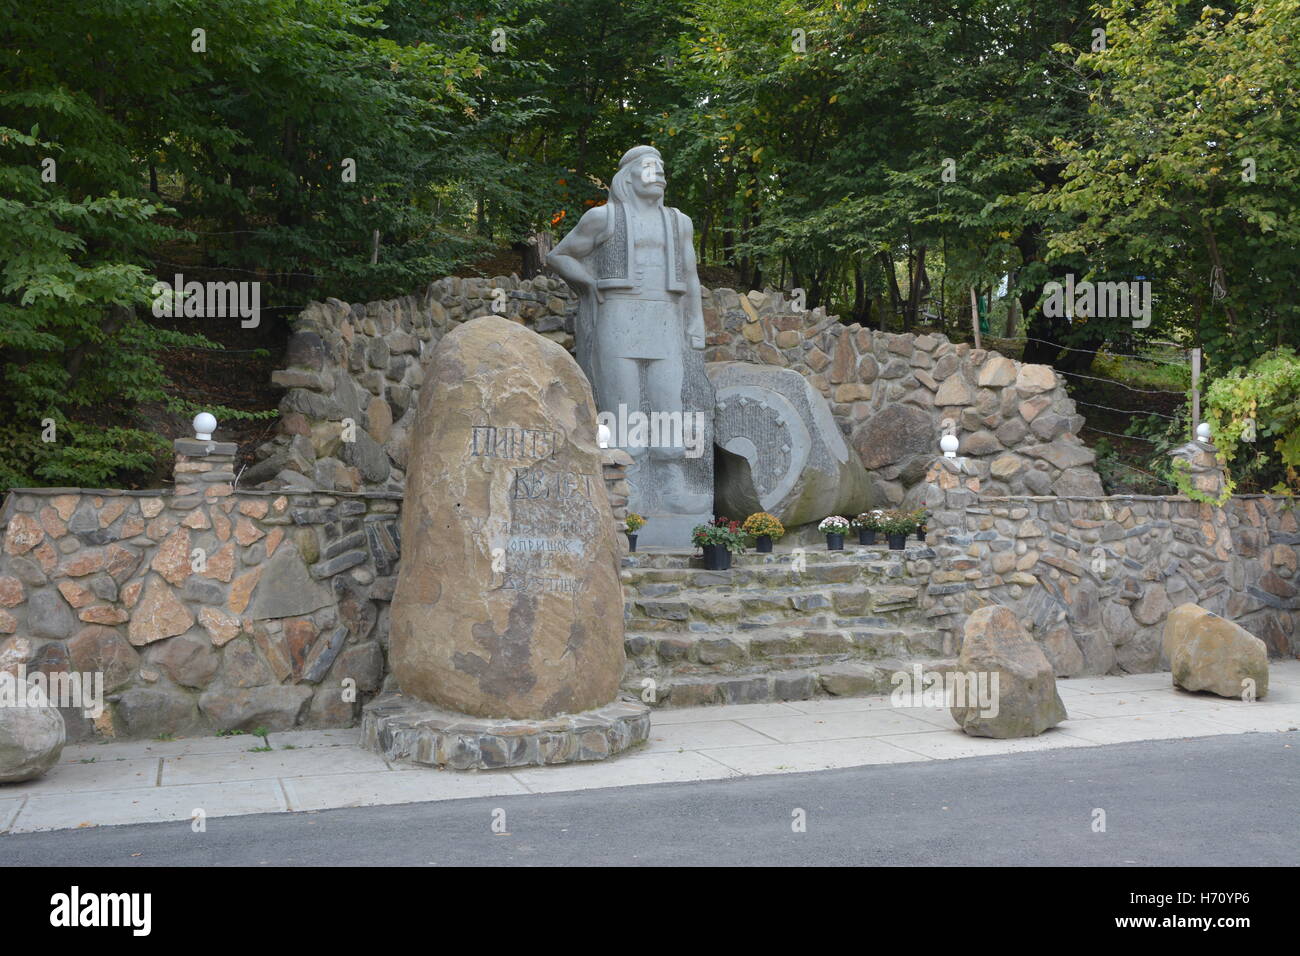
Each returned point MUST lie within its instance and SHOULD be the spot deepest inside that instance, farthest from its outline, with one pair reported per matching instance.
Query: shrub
(897, 521)
(720, 531)
(869, 520)
(834, 525)
(761, 523)
(1254, 413)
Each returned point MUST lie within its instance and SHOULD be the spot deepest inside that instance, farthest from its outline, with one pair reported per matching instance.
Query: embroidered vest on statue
(614, 268)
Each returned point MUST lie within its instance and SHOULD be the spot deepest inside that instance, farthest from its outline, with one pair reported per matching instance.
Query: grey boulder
(32, 733)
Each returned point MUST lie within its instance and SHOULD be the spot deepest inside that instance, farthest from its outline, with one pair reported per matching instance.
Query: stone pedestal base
(410, 731)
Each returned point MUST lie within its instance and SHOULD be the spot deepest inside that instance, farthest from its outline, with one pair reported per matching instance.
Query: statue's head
(640, 173)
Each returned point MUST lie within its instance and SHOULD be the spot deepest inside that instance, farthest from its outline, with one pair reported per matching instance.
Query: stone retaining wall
(1094, 578)
(892, 395)
(233, 611)
(247, 609)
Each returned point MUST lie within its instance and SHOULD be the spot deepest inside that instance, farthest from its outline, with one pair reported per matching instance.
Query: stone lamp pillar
(1204, 467)
(204, 468)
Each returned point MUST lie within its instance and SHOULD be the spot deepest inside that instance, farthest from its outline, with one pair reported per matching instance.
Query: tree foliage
(883, 157)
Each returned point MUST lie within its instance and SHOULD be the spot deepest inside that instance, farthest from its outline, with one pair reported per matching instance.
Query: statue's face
(649, 182)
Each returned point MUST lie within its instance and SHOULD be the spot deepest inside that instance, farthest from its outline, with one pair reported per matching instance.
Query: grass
(1140, 374)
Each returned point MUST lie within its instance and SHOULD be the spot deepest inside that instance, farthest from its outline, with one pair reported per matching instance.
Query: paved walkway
(155, 781)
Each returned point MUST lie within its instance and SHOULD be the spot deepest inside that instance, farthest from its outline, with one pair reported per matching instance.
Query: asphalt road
(1214, 801)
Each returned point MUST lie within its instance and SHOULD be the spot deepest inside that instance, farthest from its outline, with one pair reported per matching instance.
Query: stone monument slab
(784, 453)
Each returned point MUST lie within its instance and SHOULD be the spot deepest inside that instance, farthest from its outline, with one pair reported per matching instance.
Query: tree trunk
(891, 282)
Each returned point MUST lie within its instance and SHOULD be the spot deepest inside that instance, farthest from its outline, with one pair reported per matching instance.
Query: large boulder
(508, 602)
(1208, 652)
(781, 450)
(1026, 702)
(32, 732)
(895, 434)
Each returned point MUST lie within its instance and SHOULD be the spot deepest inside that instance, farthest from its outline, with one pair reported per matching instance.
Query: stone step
(701, 609)
(828, 679)
(659, 653)
(775, 576)
(855, 553)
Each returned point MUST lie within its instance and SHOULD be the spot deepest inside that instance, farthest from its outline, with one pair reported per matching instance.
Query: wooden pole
(975, 317)
(1196, 391)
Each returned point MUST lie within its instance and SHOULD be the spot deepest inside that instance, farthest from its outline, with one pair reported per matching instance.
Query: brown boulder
(508, 603)
(1208, 652)
(1026, 702)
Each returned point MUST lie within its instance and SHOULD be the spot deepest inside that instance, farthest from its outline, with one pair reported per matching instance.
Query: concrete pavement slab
(817, 755)
(373, 789)
(625, 771)
(148, 804)
(99, 775)
(1115, 730)
(210, 768)
(867, 723)
(704, 735)
(691, 715)
(952, 744)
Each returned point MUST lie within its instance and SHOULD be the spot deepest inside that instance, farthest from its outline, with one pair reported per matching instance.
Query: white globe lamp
(204, 426)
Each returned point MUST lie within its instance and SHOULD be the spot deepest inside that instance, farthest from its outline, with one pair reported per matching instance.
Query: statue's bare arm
(568, 258)
(694, 306)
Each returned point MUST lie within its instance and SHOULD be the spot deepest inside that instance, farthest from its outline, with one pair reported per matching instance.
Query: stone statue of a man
(640, 339)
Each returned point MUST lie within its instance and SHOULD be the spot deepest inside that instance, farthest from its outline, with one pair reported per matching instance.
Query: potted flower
(718, 539)
(631, 525)
(922, 523)
(764, 529)
(897, 525)
(868, 524)
(834, 528)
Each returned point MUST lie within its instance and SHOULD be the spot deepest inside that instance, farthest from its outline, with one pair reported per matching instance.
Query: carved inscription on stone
(542, 542)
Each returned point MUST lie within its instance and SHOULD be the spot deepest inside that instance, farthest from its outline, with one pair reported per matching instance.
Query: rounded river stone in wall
(508, 603)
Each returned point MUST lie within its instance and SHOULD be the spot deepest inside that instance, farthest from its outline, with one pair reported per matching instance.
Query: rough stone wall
(288, 594)
(895, 395)
(210, 612)
(891, 395)
(362, 363)
(1094, 578)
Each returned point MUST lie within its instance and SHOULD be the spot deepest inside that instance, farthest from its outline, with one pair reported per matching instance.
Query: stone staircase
(763, 631)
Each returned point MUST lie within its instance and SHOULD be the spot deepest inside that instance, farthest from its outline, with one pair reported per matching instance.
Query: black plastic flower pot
(631, 542)
(835, 542)
(897, 542)
(716, 557)
(866, 537)
(764, 543)
(920, 533)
